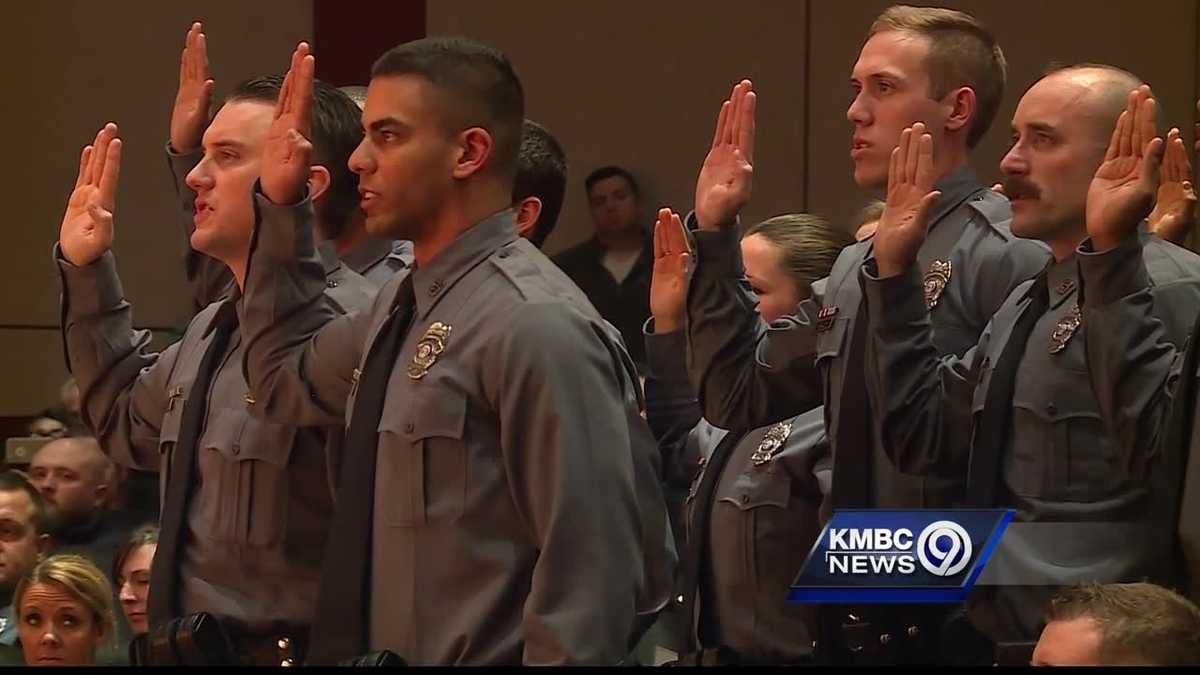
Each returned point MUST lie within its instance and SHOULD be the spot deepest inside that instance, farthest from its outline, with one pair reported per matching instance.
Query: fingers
(1136, 140)
(998, 188)
(913, 152)
(303, 94)
(681, 234)
(902, 159)
(924, 173)
(201, 55)
(110, 175)
(1147, 121)
(660, 233)
(99, 153)
(1152, 161)
(1125, 138)
(926, 207)
(1114, 144)
(1172, 172)
(745, 136)
(735, 103)
(85, 158)
(894, 164)
(722, 121)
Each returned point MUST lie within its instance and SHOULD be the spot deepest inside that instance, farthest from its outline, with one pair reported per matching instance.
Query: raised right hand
(190, 114)
(87, 226)
(1174, 213)
(910, 196)
(723, 187)
(668, 284)
(287, 153)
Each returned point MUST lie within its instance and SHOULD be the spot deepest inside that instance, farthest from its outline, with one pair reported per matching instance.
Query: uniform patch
(935, 281)
(825, 317)
(429, 348)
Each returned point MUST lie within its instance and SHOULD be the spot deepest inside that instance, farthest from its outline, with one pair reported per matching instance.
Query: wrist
(667, 323)
(889, 268)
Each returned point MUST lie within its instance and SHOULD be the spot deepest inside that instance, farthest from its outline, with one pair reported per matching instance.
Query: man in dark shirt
(613, 267)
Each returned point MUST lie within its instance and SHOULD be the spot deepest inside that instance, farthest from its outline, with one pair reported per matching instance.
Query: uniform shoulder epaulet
(994, 208)
(348, 290)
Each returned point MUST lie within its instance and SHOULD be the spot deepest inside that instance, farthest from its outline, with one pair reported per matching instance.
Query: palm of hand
(82, 236)
(668, 285)
(1115, 195)
(284, 168)
(724, 185)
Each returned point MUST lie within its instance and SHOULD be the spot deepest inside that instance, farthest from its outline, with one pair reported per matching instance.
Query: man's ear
(963, 108)
(319, 181)
(527, 211)
(44, 542)
(100, 502)
(475, 146)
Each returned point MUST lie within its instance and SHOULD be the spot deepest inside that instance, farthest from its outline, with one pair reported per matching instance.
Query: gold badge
(825, 318)
(771, 443)
(431, 346)
(173, 395)
(935, 282)
(1065, 328)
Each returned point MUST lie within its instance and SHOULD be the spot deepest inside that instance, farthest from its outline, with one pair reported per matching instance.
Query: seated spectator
(23, 542)
(613, 267)
(64, 611)
(1119, 625)
(131, 572)
(45, 426)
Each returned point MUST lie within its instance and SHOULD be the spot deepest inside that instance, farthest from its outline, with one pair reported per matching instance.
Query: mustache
(1016, 188)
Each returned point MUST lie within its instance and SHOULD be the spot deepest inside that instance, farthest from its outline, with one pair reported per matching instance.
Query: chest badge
(429, 348)
(771, 443)
(935, 281)
(1065, 328)
(825, 317)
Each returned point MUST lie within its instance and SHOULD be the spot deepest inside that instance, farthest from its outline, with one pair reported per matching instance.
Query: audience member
(131, 576)
(64, 610)
(23, 541)
(1137, 624)
(613, 267)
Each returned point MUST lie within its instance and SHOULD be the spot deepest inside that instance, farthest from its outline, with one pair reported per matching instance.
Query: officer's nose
(199, 177)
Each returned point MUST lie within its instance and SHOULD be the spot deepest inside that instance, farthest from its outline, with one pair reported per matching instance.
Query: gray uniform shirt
(258, 517)
(209, 280)
(1061, 464)
(506, 524)
(1146, 397)
(748, 375)
(764, 515)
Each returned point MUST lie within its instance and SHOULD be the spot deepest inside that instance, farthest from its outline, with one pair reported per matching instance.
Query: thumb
(99, 214)
(926, 206)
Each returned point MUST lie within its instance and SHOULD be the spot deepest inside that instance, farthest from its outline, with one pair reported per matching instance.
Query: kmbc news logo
(883, 556)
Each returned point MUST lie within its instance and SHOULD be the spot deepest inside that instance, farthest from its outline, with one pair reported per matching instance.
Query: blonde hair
(79, 577)
(962, 52)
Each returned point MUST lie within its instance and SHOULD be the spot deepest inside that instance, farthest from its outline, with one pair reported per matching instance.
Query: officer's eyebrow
(383, 123)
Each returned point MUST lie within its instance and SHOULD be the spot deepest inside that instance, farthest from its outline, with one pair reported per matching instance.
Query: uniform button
(679, 599)
(287, 663)
(745, 498)
(331, 283)
(913, 631)
(284, 643)
(1052, 409)
(885, 638)
(408, 427)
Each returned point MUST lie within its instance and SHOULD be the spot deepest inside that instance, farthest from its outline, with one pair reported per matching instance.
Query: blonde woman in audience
(64, 611)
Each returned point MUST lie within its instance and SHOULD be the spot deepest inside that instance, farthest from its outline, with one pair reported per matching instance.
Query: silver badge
(429, 348)
(1065, 328)
(935, 281)
(771, 443)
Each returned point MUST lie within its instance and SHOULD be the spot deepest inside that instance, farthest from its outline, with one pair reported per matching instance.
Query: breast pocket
(425, 469)
(755, 512)
(247, 459)
(1067, 455)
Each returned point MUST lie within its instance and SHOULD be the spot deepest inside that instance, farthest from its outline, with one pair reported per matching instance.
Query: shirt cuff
(719, 253)
(895, 301)
(1108, 276)
(90, 289)
(665, 354)
(282, 232)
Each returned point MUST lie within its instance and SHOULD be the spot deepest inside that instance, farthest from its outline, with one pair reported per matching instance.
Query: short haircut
(336, 132)
(541, 173)
(808, 245)
(477, 87)
(1111, 94)
(962, 52)
(80, 578)
(870, 213)
(11, 481)
(143, 536)
(357, 93)
(102, 468)
(608, 172)
(1138, 622)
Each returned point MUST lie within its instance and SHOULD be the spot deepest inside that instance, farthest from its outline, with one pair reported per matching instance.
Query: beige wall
(74, 65)
(637, 83)
(625, 81)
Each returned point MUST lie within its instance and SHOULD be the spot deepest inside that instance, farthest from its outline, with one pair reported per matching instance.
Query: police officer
(246, 504)
(752, 499)
(209, 279)
(1145, 382)
(749, 376)
(1016, 414)
(488, 507)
